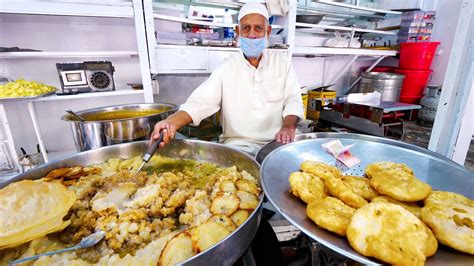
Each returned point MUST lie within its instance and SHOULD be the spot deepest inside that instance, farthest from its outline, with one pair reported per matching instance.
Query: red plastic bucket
(417, 55)
(414, 83)
(412, 100)
(388, 69)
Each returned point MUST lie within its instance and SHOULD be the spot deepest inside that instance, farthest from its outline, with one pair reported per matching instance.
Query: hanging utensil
(149, 152)
(86, 242)
(71, 112)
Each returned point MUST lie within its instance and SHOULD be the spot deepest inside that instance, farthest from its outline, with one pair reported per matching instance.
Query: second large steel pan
(228, 250)
(430, 167)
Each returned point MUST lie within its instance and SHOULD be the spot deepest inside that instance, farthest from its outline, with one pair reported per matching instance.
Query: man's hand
(285, 135)
(287, 131)
(167, 129)
(169, 126)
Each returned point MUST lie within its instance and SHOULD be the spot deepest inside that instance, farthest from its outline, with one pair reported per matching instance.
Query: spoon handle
(43, 254)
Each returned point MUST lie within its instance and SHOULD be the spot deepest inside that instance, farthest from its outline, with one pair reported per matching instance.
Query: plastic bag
(342, 41)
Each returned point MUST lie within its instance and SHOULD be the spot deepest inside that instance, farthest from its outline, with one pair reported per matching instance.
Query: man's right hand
(169, 126)
(167, 129)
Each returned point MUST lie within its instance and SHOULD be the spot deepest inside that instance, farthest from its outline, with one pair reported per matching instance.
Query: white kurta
(253, 102)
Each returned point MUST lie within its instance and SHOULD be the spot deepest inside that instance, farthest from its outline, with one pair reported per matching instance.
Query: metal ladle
(86, 242)
(71, 112)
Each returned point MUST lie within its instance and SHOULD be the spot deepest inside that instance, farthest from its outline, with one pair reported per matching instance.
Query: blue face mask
(252, 47)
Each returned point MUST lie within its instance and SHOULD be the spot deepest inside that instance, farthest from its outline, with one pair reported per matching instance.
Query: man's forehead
(253, 19)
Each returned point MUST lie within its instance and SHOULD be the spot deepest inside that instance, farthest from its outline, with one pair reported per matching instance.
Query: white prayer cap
(253, 8)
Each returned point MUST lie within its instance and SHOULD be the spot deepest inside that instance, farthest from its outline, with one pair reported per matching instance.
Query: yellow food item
(248, 201)
(141, 213)
(249, 186)
(344, 192)
(23, 88)
(178, 249)
(361, 186)
(410, 206)
(451, 220)
(240, 216)
(321, 170)
(389, 233)
(208, 234)
(31, 210)
(374, 168)
(225, 204)
(224, 221)
(400, 185)
(307, 187)
(441, 197)
(331, 214)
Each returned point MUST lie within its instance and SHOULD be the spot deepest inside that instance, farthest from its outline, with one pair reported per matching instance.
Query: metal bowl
(310, 19)
(228, 250)
(105, 126)
(430, 167)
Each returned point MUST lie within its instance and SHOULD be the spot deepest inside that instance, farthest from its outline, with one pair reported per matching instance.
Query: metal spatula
(149, 152)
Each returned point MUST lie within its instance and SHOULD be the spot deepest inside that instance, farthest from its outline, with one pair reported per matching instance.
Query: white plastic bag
(342, 41)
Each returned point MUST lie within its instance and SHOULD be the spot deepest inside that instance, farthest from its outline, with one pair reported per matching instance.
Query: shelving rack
(100, 9)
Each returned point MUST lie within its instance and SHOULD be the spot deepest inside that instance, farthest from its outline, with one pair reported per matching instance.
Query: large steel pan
(439, 172)
(228, 250)
(103, 127)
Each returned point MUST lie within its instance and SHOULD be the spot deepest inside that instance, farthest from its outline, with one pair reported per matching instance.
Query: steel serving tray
(26, 98)
(439, 172)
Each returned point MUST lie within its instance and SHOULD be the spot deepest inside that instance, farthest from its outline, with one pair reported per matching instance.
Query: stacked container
(416, 54)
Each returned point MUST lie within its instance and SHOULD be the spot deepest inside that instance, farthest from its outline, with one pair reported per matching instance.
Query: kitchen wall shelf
(357, 7)
(304, 51)
(122, 92)
(68, 54)
(354, 29)
(98, 9)
(200, 22)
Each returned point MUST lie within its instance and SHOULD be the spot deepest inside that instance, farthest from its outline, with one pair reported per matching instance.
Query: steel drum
(228, 250)
(439, 172)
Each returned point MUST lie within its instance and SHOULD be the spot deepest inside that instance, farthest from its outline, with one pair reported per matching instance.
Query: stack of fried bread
(39, 208)
(389, 214)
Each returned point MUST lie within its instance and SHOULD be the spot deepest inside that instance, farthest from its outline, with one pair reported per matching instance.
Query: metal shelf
(368, 9)
(200, 22)
(302, 51)
(69, 54)
(320, 26)
(99, 9)
(55, 97)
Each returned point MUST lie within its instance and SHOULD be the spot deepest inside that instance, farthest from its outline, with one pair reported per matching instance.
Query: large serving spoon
(149, 152)
(71, 112)
(86, 242)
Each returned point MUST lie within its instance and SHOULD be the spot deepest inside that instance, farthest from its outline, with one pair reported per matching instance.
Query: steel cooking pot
(225, 252)
(116, 124)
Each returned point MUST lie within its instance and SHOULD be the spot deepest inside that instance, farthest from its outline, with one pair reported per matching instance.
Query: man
(256, 91)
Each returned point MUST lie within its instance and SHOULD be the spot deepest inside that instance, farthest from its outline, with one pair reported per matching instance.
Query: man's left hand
(285, 135)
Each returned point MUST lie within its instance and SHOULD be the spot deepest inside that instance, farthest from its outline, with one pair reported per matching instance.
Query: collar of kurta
(261, 64)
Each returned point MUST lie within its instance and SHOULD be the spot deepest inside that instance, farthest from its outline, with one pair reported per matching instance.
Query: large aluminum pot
(116, 124)
(388, 84)
(228, 250)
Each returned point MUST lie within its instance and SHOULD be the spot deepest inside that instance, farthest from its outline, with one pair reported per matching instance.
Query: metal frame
(144, 40)
(9, 139)
(445, 137)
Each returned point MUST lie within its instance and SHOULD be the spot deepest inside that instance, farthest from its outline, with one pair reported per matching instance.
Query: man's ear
(269, 30)
(237, 31)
